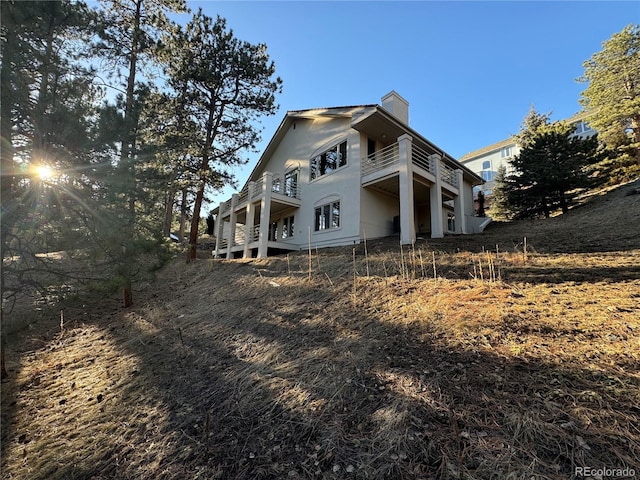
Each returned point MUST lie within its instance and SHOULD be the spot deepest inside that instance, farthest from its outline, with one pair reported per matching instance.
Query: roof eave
(288, 119)
(445, 156)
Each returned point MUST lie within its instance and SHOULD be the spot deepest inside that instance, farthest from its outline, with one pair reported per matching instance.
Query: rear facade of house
(335, 176)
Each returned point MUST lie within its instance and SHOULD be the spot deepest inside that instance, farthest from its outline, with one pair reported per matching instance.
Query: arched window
(327, 214)
(487, 173)
(329, 160)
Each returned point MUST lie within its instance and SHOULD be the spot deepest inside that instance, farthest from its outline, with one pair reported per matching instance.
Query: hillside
(461, 358)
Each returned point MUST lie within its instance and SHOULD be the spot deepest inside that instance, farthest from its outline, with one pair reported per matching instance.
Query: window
(506, 152)
(582, 127)
(291, 184)
(287, 227)
(451, 222)
(327, 216)
(329, 161)
(273, 231)
(487, 173)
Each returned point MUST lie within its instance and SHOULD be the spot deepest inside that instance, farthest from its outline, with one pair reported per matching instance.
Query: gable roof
(400, 128)
(345, 112)
(292, 115)
(488, 149)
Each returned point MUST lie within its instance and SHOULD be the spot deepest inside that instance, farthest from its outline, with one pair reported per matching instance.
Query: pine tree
(547, 169)
(613, 93)
(47, 100)
(129, 41)
(228, 84)
(531, 125)
(500, 208)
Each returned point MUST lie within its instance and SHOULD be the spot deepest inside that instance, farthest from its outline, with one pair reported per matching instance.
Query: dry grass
(503, 366)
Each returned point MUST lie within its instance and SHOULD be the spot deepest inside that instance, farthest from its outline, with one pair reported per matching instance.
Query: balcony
(283, 189)
(244, 220)
(385, 163)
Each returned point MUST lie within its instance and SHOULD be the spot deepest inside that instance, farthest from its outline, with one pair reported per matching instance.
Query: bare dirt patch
(451, 359)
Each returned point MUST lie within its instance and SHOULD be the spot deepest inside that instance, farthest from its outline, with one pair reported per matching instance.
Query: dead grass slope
(448, 360)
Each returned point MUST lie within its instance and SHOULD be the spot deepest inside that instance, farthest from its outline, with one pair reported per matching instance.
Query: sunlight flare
(45, 172)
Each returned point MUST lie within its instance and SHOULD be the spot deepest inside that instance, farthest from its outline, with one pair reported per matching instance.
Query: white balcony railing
(254, 233)
(285, 186)
(422, 159)
(244, 194)
(225, 206)
(448, 174)
(381, 159)
(256, 191)
(390, 155)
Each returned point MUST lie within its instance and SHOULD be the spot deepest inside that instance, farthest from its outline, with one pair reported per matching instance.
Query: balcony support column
(232, 224)
(219, 231)
(265, 214)
(435, 198)
(248, 228)
(458, 205)
(405, 178)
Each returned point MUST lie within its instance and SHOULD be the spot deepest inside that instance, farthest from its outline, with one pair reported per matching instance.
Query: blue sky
(469, 70)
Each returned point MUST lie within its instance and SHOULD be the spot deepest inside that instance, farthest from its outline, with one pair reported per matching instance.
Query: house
(487, 161)
(335, 176)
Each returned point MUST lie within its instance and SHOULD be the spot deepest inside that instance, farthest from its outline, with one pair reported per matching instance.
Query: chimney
(393, 103)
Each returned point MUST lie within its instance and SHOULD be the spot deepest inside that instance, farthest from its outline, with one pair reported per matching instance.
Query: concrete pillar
(435, 199)
(219, 231)
(405, 178)
(265, 214)
(248, 228)
(232, 224)
(458, 205)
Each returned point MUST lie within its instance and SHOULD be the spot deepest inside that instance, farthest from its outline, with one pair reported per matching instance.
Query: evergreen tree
(129, 41)
(547, 169)
(47, 101)
(613, 93)
(500, 207)
(531, 125)
(226, 85)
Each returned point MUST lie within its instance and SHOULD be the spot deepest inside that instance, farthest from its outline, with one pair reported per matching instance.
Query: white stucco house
(335, 176)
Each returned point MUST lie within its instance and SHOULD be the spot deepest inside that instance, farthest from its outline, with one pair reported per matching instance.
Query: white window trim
(506, 155)
(289, 227)
(328, 146)
(329, 200)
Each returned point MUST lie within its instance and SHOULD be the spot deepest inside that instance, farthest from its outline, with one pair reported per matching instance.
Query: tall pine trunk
(213, 123)
(183, 215)
(195, 222)
(169, 202)
(635, 129)
(126, 158)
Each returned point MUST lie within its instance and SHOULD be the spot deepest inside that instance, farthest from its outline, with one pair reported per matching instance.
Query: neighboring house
(335, 176)
(487, 160)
